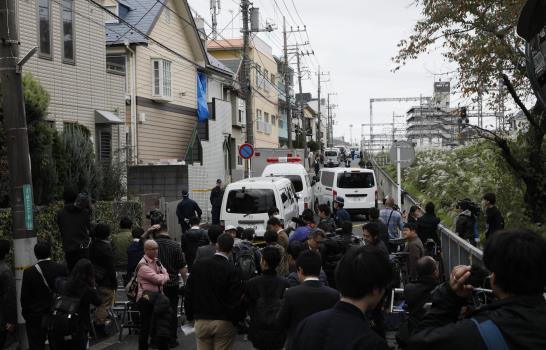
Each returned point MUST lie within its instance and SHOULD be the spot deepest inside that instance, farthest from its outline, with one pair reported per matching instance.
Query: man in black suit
(308, 298)
(361, 278)
(209, 250)
(213, 298)
(36, 293)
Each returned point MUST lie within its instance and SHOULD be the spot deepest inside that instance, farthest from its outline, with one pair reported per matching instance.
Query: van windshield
(330, 153)
(355, 180)
(251, 201)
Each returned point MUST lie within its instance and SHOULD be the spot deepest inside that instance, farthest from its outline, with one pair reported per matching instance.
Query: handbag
(131, 289)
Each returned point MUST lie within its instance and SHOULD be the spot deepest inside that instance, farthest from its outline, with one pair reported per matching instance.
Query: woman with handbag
(70, 320)
(151, 277)
(102, 257)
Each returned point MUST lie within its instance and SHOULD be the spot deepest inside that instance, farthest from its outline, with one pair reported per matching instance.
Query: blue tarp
(202, 107)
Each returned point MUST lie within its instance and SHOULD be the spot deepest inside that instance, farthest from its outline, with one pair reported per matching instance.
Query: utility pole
(245, 77)
(287, 86)
(330, 124)
(320, 75)
(13, 106)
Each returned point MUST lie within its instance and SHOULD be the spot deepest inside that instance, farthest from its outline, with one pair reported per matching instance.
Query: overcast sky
(354, 40)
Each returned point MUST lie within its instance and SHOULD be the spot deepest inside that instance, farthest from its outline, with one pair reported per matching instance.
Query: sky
(353, 40)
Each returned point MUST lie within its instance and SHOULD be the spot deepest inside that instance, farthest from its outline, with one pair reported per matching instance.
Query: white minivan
(357, 186)
(331, 157)
(247, 202)
(299, 177)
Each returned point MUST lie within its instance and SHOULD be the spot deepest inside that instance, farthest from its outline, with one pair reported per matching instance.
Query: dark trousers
(171, 292)
(146, 312)
(3, 336)
(78, 341)
(36, 333)
(215, 212)
(146, 309)
(74, 256)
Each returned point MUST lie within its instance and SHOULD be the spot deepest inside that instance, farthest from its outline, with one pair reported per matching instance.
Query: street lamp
(351, 134)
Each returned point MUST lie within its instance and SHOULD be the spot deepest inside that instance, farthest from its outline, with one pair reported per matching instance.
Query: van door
(294, 207)
(326, 187)
(357, 187)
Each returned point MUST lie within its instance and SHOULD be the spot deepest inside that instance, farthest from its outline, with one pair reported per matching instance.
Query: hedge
(45, 225)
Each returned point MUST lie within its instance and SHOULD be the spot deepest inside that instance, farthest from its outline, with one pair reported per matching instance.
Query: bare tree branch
(516, 98)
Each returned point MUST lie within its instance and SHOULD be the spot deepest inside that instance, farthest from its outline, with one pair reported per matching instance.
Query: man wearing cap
(216, 196)
(341, 214)
(187, 209)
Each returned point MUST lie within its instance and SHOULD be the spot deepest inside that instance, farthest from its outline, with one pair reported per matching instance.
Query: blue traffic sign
(246, 151)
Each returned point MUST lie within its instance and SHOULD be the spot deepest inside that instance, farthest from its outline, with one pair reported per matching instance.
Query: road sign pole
(399, 177)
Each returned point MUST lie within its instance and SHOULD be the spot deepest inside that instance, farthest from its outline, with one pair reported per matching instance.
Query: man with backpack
(246, 256)
(517, 320)
(263, 296)
(37, 290)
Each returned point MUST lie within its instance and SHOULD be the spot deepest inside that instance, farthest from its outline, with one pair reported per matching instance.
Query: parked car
(331, 157)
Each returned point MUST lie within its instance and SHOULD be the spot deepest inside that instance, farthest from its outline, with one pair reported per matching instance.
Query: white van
(247, 202)
(357, 186)
(331, 157)
(299, 177)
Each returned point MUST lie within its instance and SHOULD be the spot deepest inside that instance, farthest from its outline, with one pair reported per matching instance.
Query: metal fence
(455, 250)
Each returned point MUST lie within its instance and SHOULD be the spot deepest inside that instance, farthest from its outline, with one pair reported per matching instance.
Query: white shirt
(311, 279)
(222, 254)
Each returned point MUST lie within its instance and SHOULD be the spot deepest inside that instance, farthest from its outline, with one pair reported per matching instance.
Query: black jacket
(464, 226)
(8, 296)
(383, 231)
(88, 296)
(427, 227)
(216, 196)
(332, 250)
(327, 225)
(206, 251)
(36, 297)
(135, 252)
(493, 221)
(101, 255)
(263, 296)
(74, 224)
(162, 316)
(343, 327)
(419, 293)
(187, 209)
(214, 291)
(191, 240)
(521, 319)
(302, 301)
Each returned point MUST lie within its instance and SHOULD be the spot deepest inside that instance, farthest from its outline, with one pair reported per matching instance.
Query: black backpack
(64, 318)
(245, 261)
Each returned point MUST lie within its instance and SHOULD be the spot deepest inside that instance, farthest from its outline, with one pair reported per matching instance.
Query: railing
(455, 250)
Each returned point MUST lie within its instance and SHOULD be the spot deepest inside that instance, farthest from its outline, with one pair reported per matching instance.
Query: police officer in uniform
(187, 209)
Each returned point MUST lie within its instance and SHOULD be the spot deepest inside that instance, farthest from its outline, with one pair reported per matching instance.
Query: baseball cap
(230, 227)
(340, 200)
(185, 193)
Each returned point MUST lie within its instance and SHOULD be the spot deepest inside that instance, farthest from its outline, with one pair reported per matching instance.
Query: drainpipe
(134, 143)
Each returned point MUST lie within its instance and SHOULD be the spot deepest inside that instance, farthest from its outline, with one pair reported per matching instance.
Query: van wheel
(315, 206)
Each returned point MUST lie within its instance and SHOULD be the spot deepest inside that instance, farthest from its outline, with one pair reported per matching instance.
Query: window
(44, 15)
(355, 180)
(258, 76)
(273, 120)
(240, 116)
(272, 79)
(105, 147)
(281, 123)
(250, 201)
(327, 178)
(239, 160)
(265, 82)
(109, 18)
(266, 117)
(161, 79)
(116, 64)
(68, 31)
(296, 180)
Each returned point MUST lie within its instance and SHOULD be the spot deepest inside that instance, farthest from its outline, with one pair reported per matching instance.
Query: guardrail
(455, 250)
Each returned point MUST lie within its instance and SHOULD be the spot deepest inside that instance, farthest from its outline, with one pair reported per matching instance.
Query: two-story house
(70, 63)
(264, 76)
(157, 46)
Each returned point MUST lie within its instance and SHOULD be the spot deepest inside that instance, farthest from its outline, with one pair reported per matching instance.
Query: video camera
(467, 204)
(155, 216)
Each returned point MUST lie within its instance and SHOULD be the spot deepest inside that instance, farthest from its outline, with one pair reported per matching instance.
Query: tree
(480, 37)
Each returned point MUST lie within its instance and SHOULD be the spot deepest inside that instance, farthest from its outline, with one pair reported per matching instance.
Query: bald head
(151, 248)
(427, 267)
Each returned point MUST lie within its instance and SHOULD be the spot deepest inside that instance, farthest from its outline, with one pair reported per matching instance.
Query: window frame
(112, 20)
(73, 18)
(42, 54)
(161, 95)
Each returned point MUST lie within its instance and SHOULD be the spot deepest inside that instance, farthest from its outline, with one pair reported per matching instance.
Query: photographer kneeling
(517, 261)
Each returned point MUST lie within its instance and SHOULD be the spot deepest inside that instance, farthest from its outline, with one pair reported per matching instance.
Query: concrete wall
(167, 181)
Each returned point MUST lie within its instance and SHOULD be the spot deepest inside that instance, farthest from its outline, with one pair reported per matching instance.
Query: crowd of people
(317, 286)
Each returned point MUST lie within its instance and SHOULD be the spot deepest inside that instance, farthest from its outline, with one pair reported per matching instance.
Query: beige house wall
(76, 89)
